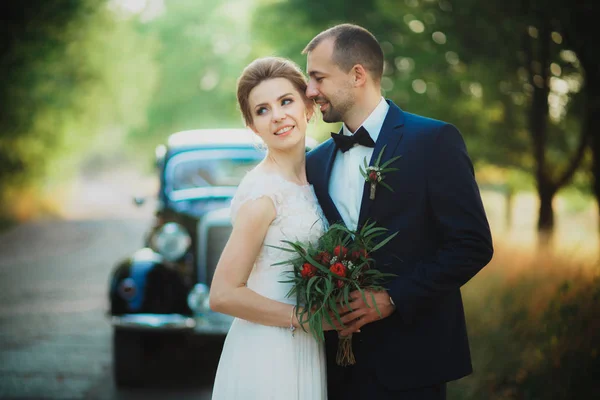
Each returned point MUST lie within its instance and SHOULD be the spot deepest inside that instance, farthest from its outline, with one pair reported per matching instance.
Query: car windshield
(210, 167)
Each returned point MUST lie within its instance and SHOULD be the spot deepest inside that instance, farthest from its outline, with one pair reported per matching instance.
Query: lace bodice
(298, 218)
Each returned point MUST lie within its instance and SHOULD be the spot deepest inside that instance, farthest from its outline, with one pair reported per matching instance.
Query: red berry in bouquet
(340, 251)
(356, 254)
(323, 258)
(308, 270)
(339, 269)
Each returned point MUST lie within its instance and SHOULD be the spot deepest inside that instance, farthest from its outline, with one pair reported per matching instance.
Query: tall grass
(534, 328)
(28, 203)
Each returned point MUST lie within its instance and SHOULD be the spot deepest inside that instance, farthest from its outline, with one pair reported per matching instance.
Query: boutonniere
(375, 174)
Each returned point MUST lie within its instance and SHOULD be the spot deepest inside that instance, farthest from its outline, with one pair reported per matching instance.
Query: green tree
(521, 41)
(72, 71)
(202, 49)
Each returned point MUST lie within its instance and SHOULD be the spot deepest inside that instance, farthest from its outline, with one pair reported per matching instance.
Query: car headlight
(198, 299)
(171, 240)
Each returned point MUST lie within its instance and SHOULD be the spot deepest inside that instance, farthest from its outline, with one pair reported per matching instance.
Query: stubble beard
(339, 112)
(332, 115)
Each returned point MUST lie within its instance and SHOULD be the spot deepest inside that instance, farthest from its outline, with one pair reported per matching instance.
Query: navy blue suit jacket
(444, 239)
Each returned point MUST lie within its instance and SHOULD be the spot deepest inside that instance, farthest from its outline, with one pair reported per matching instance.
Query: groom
(420, 341)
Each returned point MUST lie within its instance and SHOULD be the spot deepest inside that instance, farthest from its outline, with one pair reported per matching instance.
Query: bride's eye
(261, 110)
(287, 101)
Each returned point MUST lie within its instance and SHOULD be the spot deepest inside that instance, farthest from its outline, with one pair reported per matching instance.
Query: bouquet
(323, 277)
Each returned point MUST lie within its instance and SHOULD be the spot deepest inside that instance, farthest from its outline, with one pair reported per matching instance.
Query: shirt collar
(374, 121)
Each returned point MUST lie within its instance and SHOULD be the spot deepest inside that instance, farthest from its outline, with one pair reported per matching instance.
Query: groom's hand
(364, 313)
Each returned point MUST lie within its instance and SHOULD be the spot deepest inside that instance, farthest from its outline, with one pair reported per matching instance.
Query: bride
(267, 355)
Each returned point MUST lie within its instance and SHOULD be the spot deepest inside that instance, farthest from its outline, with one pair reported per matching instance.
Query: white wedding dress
(261, 362)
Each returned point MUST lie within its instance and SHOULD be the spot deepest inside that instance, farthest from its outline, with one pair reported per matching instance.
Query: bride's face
(279, 114)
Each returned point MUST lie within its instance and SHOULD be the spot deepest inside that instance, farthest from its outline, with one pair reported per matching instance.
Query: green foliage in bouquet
(324, 275)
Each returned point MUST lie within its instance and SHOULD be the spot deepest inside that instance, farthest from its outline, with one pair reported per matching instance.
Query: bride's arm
(228, 292)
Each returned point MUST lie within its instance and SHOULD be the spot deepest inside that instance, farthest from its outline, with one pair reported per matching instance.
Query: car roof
(197, 138)
(212, 137)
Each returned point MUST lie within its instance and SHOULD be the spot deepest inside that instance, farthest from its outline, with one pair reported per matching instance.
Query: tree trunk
(538, 126)
(508, 208)
(546, 217)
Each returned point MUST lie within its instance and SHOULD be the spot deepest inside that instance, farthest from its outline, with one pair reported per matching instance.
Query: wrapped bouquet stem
(345, 355)
(324, 275)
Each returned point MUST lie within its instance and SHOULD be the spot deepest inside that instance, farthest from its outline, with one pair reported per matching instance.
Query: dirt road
(55, 341)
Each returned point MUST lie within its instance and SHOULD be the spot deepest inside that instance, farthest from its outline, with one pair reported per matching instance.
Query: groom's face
(328, 85)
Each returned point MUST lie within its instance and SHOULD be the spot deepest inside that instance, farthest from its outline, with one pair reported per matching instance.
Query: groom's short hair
(353, 45)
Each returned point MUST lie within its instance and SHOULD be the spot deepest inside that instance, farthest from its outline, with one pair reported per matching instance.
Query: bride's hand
(325, 324)
(305, 325)
(328, 327)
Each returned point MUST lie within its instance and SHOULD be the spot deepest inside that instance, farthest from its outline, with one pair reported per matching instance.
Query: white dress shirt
(346, 183)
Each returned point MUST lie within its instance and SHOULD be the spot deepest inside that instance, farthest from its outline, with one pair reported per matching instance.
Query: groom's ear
(359, 75)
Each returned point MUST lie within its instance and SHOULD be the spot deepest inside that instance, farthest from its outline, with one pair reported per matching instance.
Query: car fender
(144, 283)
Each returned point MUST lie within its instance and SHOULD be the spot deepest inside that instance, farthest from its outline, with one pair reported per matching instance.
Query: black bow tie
(345, 143)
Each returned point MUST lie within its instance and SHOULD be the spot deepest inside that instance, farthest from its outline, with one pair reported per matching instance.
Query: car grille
(217, 237)
(213, 232)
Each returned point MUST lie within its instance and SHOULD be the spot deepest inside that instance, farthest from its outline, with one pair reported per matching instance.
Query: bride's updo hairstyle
(263, 69)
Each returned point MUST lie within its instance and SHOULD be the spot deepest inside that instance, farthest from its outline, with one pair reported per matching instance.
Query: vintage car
(162, 289)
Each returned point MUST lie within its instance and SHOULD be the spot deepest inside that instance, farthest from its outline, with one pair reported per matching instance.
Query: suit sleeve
(460, 222)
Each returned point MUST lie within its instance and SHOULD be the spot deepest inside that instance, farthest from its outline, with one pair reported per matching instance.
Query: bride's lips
(284, 130)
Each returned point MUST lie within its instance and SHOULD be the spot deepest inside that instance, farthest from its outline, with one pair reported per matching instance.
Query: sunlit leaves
(73, 73)
(203, 47)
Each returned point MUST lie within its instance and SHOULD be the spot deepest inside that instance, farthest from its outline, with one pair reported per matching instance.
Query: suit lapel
(333, 215)
(390, 136)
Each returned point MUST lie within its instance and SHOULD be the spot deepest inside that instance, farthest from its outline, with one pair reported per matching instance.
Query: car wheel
(128, 358)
